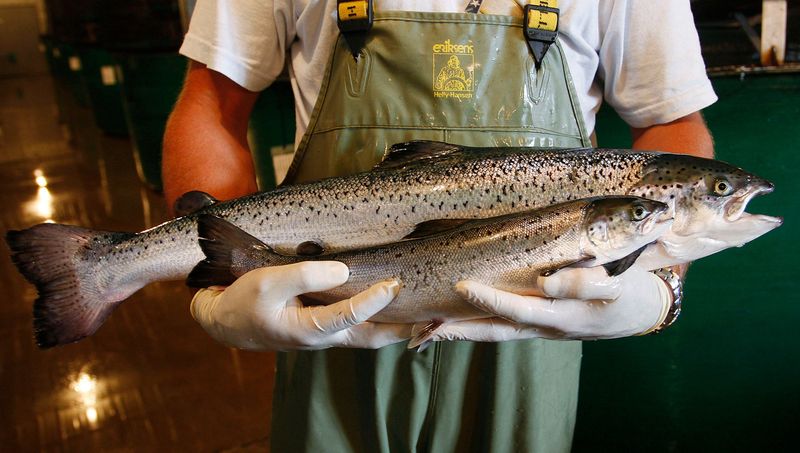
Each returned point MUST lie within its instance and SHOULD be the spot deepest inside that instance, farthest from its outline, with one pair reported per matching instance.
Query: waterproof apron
(466, 79)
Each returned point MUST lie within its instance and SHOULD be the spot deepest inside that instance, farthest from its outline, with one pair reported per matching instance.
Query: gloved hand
(580, 304)
(261, 311)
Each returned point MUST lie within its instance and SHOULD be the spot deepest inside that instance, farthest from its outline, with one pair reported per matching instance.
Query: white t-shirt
(642, 56)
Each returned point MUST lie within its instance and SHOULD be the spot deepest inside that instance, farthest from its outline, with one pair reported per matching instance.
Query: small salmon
(507, 252)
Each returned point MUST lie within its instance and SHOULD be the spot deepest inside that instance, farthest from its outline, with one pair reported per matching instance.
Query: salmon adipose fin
(230, 252)
(310, 248)
(192, 201)
(61, 261)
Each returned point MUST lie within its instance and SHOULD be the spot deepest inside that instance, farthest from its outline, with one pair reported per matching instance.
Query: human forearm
(686, 135)
(205, 144)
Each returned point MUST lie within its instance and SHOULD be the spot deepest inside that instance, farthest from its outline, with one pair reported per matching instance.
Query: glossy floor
(150, 379)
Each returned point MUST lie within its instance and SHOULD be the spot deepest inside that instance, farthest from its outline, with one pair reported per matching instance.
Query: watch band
(673, 281)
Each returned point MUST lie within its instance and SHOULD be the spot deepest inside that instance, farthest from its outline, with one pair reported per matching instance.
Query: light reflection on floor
(150, 379)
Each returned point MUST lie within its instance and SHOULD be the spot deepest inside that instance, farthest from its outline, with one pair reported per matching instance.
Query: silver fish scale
(165, 252)
(380, 207)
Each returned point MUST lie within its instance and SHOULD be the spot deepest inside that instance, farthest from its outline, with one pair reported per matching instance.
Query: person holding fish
(485, 74)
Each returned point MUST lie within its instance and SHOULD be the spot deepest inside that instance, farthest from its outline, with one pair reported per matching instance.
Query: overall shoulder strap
(540, 23)
(474, 6)
(354, 18)
(540, 27)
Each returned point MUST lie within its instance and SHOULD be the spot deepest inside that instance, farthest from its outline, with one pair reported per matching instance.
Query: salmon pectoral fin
(553, 270)
(621, 265)
(230, 253)
(431, 227)
(61, 260)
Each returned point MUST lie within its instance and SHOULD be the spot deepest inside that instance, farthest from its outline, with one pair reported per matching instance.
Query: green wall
(271, 124)
(726, 377)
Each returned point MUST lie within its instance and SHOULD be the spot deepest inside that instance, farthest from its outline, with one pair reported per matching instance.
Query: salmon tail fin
(60, 261)
(230, 253)
(422, 339)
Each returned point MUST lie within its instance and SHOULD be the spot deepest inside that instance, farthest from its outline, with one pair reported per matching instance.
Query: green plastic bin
(272, 127)
(139, 26)
(101, 79)
(53, 56)
(70, 67)
(151, 83)
(72, 95)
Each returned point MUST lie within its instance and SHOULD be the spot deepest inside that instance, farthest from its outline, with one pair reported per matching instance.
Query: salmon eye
(722, 187)
(639, 212)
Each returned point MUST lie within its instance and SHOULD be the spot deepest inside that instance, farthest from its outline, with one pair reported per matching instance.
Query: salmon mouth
(735, 208)
(740, 227)
(660, 222)
(659, 219)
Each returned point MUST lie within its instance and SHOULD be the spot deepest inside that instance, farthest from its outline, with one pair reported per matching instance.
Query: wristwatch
(673, 281)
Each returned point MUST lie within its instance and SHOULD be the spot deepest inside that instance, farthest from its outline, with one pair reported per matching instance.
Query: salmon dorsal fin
(431, 227)
(192, 201)
(406, 153)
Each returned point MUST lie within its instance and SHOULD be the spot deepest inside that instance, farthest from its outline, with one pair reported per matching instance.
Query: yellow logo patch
(453, 70)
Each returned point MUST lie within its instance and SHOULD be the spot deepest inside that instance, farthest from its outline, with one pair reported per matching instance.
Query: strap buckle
(473, 6)
(540, 27)
(354, 15)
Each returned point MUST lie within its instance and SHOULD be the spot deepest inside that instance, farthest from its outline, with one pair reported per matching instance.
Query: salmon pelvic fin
(60, 261)
(230, 252)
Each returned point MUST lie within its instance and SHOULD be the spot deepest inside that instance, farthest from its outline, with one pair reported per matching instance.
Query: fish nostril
(764, 187)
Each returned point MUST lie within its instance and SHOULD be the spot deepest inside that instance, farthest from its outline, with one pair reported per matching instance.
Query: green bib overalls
(466, 79)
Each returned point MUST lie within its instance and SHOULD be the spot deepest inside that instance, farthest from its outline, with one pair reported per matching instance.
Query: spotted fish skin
(385, 205)
(81, 274)
(507, 252)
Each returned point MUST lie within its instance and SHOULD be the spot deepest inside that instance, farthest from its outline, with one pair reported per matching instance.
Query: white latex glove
(261, 311)
(579, 304)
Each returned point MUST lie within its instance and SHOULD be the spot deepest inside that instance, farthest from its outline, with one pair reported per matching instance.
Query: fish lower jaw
(743, 229)
(751, 226)
(675, 249)
(755, 218)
